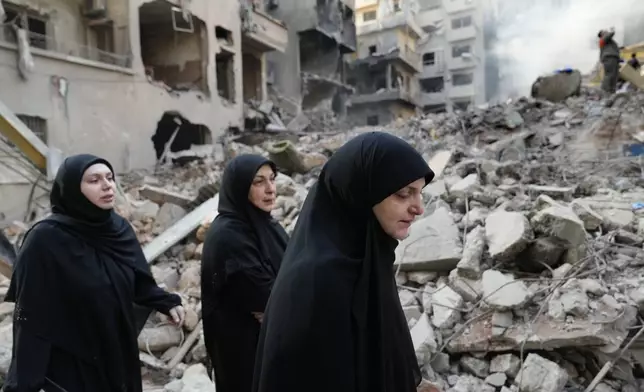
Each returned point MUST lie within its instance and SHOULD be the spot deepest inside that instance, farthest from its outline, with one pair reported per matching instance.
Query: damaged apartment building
(129, 80)
(384, 70)
(453, 75)
(311, 73)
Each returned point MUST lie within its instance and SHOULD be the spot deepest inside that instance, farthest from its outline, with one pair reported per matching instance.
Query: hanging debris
(25, 59)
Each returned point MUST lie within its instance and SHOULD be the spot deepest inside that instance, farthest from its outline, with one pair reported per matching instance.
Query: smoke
(534, 38)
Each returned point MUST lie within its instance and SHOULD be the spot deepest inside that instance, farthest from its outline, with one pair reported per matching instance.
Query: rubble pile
(524, 273)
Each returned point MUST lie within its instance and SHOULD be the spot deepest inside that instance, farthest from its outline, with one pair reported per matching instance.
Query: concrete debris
(541, 375)
(434, 244)
(557, 87)
(508, 233)
(503, 291)
(531, 244)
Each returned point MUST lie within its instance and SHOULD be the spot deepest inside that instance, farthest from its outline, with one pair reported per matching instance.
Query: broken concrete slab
(543, 334)
(439, 161)
(541, 375)
(469, 289)
(161, 196)
(470, 264)
(466, 186)
(433, 244)
(436, 189)
(423, 339)
(557, 87)
(615, 208)
(446, 307)
(478, 367)
(507, 234)
(502, 291)
(508, 364)
(560, 222)
(592, 220)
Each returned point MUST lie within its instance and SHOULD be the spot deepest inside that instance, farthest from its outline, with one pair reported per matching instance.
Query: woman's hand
(178, 315)
(259, 316)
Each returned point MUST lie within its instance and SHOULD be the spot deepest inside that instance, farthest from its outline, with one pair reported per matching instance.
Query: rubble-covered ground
(524, 274)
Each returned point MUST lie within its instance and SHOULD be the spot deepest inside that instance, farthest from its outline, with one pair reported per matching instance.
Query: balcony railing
(394, 94)
(264, 31)
(48, 43)
(466, 91)
(463, 33)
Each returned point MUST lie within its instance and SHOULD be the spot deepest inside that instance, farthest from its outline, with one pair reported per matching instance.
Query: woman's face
(98, 186)
(397, 212)
(262, 190)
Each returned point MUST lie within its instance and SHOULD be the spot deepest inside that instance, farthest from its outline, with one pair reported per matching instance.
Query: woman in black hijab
(77, 276)
(242, 253)
(334, 321)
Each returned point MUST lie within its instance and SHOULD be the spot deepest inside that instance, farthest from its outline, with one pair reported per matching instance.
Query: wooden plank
(181, 229)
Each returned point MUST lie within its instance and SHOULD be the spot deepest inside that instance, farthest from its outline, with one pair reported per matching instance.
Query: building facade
(311, 72)
(119, 78)
(384, 70)
(453, 55)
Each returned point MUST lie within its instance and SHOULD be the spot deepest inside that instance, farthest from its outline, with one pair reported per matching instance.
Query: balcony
(463, 62)
(404, 54)
(455, 6)
(44, 44)
(431, 99)
(392, 22)
(410, 58)
(462, 92)
(464, 33)
(394, 94)
(431, 18)
(263, 32)
(432, 71)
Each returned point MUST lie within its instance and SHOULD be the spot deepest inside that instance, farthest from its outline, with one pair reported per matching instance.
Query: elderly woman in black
(334, 321)
(241, 257)
(77, 277)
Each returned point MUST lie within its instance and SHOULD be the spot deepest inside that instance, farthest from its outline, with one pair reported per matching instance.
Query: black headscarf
(82, 248)
(242, 233)
(334, 310)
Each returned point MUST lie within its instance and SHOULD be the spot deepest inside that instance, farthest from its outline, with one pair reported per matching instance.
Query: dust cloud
(534, 38)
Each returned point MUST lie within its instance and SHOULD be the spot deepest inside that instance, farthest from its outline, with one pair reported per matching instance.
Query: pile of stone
(522, 275)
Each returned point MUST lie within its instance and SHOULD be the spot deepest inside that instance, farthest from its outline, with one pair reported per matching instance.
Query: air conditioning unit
(95, 9)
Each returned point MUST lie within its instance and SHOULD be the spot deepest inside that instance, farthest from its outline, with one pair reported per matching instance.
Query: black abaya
(334, 321)
(241, 257)
(77, 277)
